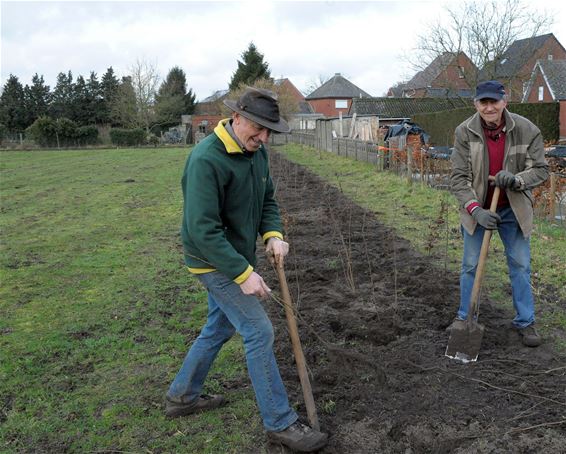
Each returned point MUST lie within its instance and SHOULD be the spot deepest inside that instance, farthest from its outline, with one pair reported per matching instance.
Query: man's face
(250, 133)
(491, 110)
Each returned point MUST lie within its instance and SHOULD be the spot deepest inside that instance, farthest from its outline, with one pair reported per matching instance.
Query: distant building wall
(563, 119)
(534, 93)
(204, 124)
(515, 87)
(327, 106)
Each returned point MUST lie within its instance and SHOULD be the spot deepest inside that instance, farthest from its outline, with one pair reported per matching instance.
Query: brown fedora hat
(261, 106)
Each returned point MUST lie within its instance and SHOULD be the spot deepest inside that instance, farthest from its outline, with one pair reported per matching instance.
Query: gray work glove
(505, 179)
(487, 219)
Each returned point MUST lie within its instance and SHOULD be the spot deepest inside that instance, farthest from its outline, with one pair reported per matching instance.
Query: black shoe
(299, 438)
(529, 336)
(204, 402)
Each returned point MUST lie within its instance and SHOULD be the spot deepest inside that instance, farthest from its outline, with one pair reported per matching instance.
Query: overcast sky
(364, 41)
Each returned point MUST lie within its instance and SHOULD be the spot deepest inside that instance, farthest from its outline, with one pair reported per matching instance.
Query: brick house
(335, 96)
(548, 84)
(305, 117)
(514, 68)
(211, 110)
(446, 76)
(208, 113)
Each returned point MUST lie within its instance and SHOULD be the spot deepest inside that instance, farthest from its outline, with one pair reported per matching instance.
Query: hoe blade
(464, 343)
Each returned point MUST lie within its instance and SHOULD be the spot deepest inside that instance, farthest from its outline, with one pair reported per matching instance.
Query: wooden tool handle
(474, 299)
(297, 349)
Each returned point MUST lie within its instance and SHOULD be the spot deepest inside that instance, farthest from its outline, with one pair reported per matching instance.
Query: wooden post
(552, 195)
(422, 156)
(351, 135)
(297, 348)
(409, 149)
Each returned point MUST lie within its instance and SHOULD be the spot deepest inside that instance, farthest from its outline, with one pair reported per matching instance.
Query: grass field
(97, 311)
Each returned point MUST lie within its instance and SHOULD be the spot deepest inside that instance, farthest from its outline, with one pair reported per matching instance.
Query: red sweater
(495, 140)
(496, 151)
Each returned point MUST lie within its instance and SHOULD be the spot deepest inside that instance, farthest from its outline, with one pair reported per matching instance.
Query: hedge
(441, 125)
(87, 135)
(127, 137)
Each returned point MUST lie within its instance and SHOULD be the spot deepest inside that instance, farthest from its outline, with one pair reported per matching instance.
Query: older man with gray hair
(497, 143)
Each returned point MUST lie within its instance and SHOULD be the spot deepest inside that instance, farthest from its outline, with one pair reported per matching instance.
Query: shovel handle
(480, 270)
(297, 349)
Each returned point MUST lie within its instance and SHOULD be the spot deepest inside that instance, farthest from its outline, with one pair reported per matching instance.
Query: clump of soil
(372, 319)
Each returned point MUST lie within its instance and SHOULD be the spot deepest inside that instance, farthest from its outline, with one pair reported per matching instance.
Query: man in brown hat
(228, 202)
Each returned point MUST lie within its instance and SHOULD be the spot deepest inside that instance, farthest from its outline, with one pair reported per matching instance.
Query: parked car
(439, 152)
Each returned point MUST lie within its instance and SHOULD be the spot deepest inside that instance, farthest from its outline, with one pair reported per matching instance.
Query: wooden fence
(418, 165)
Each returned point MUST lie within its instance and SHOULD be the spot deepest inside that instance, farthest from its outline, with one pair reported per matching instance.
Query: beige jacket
(524, 157)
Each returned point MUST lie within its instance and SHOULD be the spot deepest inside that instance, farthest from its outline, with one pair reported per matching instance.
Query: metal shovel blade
(464, 343)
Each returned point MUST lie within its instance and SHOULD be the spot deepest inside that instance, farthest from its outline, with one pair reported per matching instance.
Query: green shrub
(43, 131)
(441, 125)
(152, 139)
(47, 132)
(543, 114)
(87, 135)
(67, 131)
(127, 137)
(3, 132)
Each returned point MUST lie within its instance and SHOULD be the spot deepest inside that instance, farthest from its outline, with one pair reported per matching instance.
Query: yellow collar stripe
(229, 143)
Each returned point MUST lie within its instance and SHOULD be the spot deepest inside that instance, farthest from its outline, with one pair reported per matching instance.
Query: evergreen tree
(251, 69)
(80, 103)
(62, 98)
(95, 99)
(173, 100)
(37, 99)
(124, 111)
(109, 88)
(12, 105)
(190, 102)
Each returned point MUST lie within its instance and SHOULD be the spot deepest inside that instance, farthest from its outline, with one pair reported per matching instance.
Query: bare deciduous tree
(316, 82)
(145, 81)
(483, 31)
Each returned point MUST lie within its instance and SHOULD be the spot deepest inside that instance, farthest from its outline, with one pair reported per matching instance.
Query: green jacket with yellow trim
(228, 201)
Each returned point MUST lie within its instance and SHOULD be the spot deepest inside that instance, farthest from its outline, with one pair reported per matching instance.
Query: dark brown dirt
(372, 319)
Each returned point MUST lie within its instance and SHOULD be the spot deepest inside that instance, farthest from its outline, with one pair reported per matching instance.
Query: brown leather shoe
(204, 402)
(529, 336)
(299, 438)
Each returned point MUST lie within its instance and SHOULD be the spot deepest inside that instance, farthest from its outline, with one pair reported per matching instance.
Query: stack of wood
(366, 129)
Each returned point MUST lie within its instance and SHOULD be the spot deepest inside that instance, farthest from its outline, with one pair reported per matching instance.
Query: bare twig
(546, 424)
(489, 385)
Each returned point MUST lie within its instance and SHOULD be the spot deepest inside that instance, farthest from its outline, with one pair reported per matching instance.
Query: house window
(202, 126)
(540, 93)
(341, 104)
(550, 57)
(461, 72)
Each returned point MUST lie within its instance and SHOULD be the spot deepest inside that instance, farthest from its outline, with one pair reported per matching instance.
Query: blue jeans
(229, 310)
(518, 253)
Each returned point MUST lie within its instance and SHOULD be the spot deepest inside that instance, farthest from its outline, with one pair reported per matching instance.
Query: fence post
(409, 164)
(552, 195)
